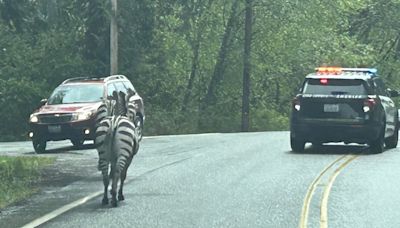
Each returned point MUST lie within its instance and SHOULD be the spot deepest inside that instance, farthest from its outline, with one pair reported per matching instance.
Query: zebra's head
(120, 104)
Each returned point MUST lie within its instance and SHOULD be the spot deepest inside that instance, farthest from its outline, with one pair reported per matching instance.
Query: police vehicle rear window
(334, 86)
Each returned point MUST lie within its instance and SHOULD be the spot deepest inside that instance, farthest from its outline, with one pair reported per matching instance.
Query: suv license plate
(54, 128)
(331, 108)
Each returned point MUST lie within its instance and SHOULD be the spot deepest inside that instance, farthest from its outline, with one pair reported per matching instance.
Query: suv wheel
(391, 142)
(77, 142)
(296, 144)
(39, 146)
(139, 127)
(377, 145)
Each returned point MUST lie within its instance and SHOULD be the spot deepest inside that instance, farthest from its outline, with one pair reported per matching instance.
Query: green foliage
(18, 175)
(17, 98)
(171, 49)
(265, 119)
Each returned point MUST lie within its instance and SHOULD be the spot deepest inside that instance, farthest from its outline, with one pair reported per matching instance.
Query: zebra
(117, 143)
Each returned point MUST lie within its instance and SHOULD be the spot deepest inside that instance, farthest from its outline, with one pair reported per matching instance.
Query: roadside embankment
(18, 176)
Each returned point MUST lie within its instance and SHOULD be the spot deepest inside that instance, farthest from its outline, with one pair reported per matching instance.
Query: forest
(200, 65)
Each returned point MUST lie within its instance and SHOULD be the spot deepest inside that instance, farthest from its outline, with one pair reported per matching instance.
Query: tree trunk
(219, 68)
(247, 66)
(195, 44)
(195, 62)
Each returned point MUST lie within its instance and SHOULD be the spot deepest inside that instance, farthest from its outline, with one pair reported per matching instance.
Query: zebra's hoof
(104, 201)
(121, 197)
(114, 203)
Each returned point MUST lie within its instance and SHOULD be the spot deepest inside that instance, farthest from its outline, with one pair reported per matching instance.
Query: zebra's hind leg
(121, 186)
(123, 177)
(114, 185)
(106, 181)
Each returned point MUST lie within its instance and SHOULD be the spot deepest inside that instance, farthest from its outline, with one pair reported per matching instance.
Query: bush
(264, 119)
(18, 99)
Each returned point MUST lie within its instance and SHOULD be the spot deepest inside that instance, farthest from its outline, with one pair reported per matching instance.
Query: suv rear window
(334, 87)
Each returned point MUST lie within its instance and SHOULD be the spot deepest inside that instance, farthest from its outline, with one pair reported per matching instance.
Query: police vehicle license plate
(331, 108)
(54, 128)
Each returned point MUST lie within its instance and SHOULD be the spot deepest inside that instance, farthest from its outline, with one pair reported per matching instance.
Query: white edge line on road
(49, 216)
(183, 135)
(61, 210)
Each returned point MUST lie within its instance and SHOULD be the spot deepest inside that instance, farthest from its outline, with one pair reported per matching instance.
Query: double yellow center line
(330, 172)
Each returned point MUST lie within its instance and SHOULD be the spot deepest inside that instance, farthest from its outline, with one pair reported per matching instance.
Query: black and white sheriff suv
(350, 105)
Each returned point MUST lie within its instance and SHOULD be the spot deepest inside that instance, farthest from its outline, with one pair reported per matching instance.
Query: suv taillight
(296, 104)
(369, 104)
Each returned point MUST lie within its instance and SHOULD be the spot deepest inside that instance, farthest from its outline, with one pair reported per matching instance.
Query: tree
(210, 98)
(247, 65)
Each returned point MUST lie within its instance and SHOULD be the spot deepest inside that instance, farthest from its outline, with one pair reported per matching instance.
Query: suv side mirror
(43, 102)
(393, 93)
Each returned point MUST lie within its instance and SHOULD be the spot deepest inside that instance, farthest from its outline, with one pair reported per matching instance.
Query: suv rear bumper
(323, 133)
(71, 130)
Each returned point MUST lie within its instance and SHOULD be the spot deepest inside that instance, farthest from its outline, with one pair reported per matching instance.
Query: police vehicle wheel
(39, 146)
(377, 145)
(391, 142)
(297, 145)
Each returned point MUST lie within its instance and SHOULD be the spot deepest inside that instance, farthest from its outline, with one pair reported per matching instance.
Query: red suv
(71, 110)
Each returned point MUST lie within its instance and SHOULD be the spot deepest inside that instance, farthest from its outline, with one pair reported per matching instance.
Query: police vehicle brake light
(296, 104)
(369, 104)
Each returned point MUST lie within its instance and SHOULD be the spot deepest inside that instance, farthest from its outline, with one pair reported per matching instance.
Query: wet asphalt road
(220, 180)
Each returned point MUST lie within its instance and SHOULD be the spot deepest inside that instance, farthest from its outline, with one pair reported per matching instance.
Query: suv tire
(296, 144)
(39, 146)
(139, 127)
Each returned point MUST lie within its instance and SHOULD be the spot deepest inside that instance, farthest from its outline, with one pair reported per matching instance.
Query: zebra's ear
(130, 93)
(115, 95)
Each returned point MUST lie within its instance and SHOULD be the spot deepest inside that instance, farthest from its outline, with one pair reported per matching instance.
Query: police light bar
(364, 70)
(329, 70)
(339, 70)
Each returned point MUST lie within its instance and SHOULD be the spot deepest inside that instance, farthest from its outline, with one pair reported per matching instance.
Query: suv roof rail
(105, 79)
(76, 79)
(114, 77)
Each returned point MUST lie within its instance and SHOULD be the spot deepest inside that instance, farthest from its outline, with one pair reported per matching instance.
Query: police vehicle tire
(377, 145)
(391, 142)
(39, 146)
(297, 145)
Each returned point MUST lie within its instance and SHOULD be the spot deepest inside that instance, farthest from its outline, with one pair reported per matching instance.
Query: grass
(18, 176)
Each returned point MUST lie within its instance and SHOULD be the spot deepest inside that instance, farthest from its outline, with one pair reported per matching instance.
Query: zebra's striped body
(116, 142)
